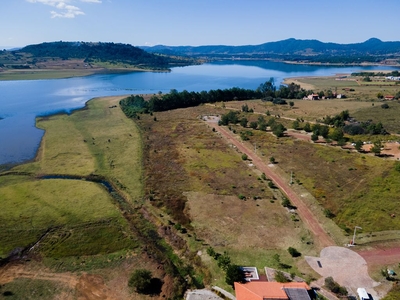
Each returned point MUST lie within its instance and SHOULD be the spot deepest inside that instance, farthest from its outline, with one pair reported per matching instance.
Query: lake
(21, 101)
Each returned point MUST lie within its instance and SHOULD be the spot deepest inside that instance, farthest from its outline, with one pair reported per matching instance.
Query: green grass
(388, 117)
(96, 140)
(83, 217)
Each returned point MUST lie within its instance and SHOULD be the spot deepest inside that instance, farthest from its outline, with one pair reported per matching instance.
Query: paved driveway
(346, 267)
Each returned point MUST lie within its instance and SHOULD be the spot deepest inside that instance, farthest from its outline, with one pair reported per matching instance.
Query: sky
(196, 22)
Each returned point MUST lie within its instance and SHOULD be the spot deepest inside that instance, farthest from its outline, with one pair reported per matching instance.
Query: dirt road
(305, 214)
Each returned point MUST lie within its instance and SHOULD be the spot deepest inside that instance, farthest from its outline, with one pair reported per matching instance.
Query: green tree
(243, 122)
(376, 148)
(224, 261)
(314, 137)
(358, 145)
(272, 160)
(336, 134)
(324, 131)
(296, 125)
(278, 130)
(253, 125)
(140, 280)
(234, 273)
(291, 103)
(307, 127)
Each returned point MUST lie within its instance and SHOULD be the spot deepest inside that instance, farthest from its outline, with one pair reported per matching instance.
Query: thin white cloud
(63, 8)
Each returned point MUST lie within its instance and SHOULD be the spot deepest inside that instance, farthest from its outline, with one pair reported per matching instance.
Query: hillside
(372, 50)
(92, 54)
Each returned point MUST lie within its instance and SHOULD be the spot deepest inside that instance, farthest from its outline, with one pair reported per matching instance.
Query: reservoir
(21, 101)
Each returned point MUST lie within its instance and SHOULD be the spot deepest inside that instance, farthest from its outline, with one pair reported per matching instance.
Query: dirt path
(381, 256)
(87, 286)
(308, 218)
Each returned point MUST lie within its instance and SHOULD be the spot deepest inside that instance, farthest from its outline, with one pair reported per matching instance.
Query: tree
(224, 261)
(385, 106)
(337, 134)
(253, 125)
(376, 148)
(307, 127)
(296, 125)
(314, 137)
(358, 145)
(324, 131)
(293, 252)
(291, 103)
(272, 160)
(268, 88)
(234, 273)
(243, 122)
(278, 129)
(141, 281)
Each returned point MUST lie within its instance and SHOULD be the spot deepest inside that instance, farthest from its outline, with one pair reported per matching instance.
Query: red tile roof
(261, 290)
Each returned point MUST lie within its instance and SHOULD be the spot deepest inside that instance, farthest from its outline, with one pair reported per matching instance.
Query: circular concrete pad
(345, 266)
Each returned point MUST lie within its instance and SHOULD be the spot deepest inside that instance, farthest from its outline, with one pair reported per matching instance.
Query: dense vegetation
(368, 74)
(92, 53)
(162, 102)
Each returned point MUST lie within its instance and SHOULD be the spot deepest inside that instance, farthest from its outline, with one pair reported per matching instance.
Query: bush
(141, 281)
(334, 287)
(280, 277)
(293, 252)
(244, 157)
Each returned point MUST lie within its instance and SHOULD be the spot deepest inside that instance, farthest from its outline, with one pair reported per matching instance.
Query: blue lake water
(22, 101)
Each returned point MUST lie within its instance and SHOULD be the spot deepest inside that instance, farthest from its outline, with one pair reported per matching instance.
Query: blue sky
(196, 22)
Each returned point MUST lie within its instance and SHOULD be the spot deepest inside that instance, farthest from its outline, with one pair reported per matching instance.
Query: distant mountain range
(372, 50)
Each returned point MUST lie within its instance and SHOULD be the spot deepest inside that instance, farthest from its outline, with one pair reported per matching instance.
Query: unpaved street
(324, 240)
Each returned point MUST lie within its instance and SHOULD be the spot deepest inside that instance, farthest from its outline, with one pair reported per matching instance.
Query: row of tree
(174, 99)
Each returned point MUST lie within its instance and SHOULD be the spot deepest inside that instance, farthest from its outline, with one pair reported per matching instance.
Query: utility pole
(354, 235)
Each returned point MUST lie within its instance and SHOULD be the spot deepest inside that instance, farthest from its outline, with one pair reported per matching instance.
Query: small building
(313, 97)
(362, 294)
(388, 97)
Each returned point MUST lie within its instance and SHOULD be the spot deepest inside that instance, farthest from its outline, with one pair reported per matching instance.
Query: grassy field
(104, 143)
(77, 212)
(302, 109)
(363, 91)
(208, 177)
(30, 207)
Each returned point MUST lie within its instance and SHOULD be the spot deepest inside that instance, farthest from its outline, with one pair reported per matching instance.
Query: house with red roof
(267, 290)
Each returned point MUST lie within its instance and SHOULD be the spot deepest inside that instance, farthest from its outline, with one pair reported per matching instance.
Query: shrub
(293, 252)
(334, 287)
(140, 280)
(244, 156)
(280, 277)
